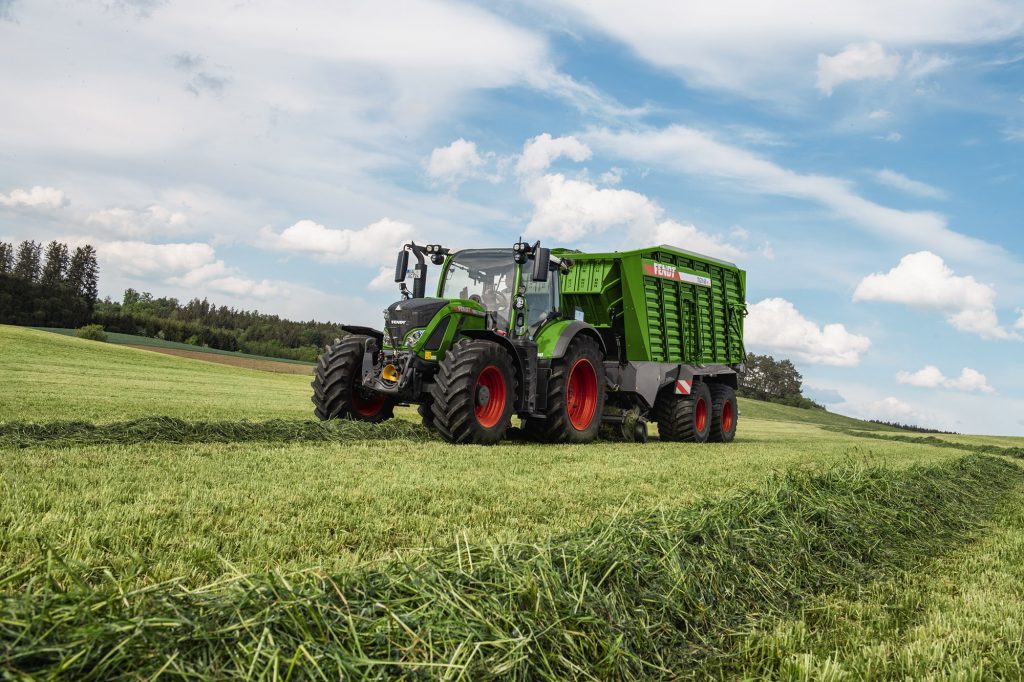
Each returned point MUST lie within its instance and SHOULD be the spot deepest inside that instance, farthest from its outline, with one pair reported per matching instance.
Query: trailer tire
(724, 414)
(576, 395)
(684, 418)
(473, 394)
(337, 393)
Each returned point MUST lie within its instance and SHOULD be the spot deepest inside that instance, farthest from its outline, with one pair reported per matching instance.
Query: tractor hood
(404, 316)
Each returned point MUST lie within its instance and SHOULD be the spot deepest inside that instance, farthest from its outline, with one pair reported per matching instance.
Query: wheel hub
(483, 395)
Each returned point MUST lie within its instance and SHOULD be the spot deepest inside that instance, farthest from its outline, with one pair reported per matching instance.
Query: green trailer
(570, 343)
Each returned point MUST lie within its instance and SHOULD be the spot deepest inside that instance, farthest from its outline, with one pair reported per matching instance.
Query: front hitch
(387, 376)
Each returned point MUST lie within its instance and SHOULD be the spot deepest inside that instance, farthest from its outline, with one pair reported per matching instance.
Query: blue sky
(863, 161)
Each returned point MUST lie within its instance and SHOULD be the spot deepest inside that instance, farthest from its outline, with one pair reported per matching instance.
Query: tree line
(775, 381)
(202, 323)
(55, 287)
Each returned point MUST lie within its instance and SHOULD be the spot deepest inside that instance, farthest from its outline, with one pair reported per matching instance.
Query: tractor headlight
(413, 337)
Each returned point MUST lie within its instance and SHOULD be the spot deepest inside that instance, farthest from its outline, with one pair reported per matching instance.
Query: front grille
(404, 316)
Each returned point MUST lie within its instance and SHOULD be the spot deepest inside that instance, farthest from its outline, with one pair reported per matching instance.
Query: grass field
(90, 517)
(146, 341)
(51, 377)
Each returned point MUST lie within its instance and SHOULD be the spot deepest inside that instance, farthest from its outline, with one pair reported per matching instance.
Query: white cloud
(540, 152)
(132, 222)
(142, 259)
(191, 266)
(870, 60)
(244, 288)
(763, 49)
(894, 136)
(930, 376)
(923, 280)
(775, 324)
(879, 115)
(890, 409)
(37, 197)
(1014, 134)
(372, 244)
(856, 62)
(697, 153)
(570, 209)
(901, 182)
(384, 280)
(455, 163)
(921, 65)
(612, 176)
(687, 236)
(1020, 322)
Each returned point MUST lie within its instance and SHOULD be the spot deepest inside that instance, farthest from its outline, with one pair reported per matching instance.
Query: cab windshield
(482, 275)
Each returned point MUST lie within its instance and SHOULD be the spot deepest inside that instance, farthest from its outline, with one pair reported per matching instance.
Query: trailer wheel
(337, 391)
(684, 418)
(473, 393)
(576, 394)
(724, 414)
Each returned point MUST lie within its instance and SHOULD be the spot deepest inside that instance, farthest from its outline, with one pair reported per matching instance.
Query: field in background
(198, 512)
(111, 383)
(186, 350)
(49, 377)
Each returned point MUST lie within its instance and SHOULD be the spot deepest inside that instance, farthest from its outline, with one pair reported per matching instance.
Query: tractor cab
(485, 276)
(515, 293)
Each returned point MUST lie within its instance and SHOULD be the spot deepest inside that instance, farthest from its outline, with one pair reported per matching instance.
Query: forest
(53, 286)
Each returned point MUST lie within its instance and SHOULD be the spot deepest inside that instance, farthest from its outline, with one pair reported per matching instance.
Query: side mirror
(402, 267)
(541, 264)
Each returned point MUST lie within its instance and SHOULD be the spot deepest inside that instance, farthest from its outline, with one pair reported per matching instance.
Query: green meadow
(890, 556)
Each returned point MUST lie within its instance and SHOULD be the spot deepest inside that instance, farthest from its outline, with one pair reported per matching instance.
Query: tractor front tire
(473, 394)
(684, 418)
(337, 386)
(576, 395)
(724, 414)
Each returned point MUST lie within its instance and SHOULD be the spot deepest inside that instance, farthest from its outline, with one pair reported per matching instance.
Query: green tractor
(567, 342)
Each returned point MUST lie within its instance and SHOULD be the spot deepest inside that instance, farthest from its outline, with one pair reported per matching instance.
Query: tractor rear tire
(576, 395)
(473, 395)
(684, 418)
(337, 389)
(724, 414)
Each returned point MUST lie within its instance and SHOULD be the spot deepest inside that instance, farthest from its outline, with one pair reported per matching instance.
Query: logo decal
(666, 271)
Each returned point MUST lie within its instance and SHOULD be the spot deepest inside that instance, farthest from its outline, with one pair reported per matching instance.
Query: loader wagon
(573, 344)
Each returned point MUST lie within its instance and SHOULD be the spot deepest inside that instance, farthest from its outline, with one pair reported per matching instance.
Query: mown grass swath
(980, 448)
(648, 596)
(172, 430)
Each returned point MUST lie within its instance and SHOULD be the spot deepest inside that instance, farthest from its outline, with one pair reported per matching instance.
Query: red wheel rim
(700, 415)
(727, 416)
(581, 394)
(489, 396)
(367, 407)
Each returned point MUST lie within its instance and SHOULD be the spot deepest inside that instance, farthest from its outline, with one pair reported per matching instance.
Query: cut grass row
(162, 510)
(659, 595)
(960, 619)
